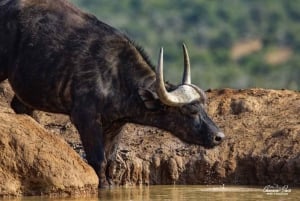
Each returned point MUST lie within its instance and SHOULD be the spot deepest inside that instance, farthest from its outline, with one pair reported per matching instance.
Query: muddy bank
(262, 147)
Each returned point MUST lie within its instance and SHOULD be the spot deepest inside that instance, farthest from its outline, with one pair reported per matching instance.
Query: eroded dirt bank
(262, 146)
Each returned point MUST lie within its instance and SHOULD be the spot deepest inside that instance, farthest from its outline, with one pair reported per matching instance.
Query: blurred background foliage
(232, 43)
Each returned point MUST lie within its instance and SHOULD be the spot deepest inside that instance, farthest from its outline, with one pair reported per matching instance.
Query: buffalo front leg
(19, 107)
(88, 124)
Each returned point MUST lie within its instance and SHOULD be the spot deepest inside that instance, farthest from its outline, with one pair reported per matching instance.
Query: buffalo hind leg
(88, 124)
(19, 107)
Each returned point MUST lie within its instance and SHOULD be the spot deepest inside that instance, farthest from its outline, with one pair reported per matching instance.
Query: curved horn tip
(184, 48)
(186, 79)
(161, 57)
(161, 50)
(161, 54)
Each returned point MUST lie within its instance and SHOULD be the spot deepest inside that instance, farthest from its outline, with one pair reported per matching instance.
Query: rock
(35, 162)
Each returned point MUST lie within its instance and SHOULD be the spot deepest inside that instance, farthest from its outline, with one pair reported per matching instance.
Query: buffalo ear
(150, 99)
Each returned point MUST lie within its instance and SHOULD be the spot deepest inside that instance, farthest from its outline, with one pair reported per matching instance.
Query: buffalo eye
(192, 108)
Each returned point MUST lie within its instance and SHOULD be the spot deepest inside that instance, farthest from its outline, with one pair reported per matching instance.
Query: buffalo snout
(218, 138)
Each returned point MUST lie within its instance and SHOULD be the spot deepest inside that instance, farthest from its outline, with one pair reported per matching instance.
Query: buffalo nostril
(219, 137)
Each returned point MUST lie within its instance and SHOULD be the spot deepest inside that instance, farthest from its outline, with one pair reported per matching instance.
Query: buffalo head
(180, 109)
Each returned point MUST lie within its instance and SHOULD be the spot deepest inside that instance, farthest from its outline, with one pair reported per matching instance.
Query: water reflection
(177, 193)
(193, 193)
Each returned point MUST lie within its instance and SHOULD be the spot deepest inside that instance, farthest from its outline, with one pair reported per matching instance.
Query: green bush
(210, 29)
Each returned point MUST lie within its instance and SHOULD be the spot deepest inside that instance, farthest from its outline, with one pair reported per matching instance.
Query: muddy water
(183, 193)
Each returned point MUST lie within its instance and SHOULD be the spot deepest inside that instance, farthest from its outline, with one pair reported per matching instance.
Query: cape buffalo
(60, 59)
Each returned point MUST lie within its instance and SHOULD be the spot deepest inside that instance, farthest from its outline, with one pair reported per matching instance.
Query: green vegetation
(232, 43)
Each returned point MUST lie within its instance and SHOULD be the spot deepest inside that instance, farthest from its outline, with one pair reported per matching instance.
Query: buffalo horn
(187, 67)
(183, 94)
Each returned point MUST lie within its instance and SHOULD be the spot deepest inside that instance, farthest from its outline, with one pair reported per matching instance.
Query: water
(181, 193)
